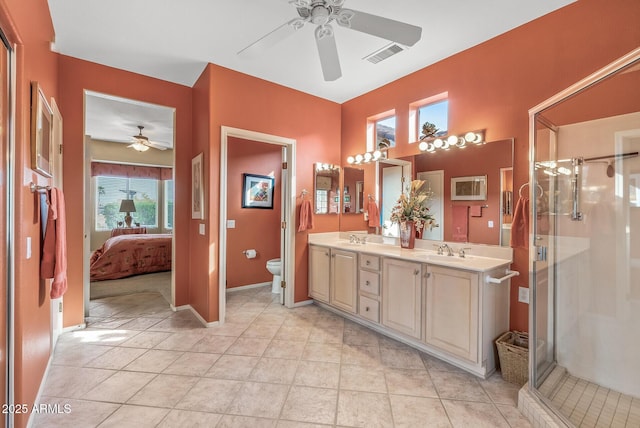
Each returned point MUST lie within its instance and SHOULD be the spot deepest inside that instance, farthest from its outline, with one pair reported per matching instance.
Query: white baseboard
(303, 303)
(197, 315)
(74, 328)
(246, 287)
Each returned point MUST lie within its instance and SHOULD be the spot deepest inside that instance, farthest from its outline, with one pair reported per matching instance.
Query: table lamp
(127, 206)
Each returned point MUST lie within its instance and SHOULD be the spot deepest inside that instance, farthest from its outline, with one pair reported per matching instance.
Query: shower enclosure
(585, 249)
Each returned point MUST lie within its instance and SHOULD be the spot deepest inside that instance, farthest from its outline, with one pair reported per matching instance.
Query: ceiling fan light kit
(322, 13)
(141, 142)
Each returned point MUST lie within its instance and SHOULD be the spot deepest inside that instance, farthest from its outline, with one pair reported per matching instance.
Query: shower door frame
(534, 113)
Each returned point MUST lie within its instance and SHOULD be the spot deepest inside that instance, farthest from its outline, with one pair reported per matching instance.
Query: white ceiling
(174, 40)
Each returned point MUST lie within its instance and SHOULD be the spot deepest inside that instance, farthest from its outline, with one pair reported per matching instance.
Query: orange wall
(493, 85)
(229, 98)
(255, 228)
(76, 76)
(28, 26)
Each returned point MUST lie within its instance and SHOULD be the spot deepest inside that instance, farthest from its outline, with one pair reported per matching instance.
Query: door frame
(288, 212)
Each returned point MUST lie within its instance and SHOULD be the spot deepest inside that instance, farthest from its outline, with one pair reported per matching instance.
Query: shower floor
(587, 404)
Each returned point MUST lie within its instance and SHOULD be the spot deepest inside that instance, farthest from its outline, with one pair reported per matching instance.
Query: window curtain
(130, 171)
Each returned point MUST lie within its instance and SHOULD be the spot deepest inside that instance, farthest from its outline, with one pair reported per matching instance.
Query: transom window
(436, 114)
(385, 130)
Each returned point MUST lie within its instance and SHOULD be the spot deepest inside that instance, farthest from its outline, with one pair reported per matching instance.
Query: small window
(168, 204)
(436, 114)
(110, 191)
(385, 132)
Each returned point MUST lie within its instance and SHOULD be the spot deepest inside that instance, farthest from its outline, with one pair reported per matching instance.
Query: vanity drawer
(369, 309)
(370, 262)
(370, 282)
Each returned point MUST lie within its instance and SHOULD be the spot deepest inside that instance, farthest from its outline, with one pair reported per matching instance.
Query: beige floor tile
(458, 386)
(154, 361)
(141, 323)
(500, 391)
(84, 413)
(73, 382)
(77, 356)
(175, 324)
(418, 411)
(480, 415)
(270, 318)
(295, 424)
(229, 328)
(514, 418)
(164, 391)
(285, 349)
(362, 378)
(261, 331)
(324, 334)
(325, 352)
(119, 387)
(274, 370)
(403, 358)
(234, 421)
(259, 400)
(317, 373)
(361, 355)
(305, 404)
(248, 346)
(135, 417)
(96, 336)
(192, 364)
(116, 358)
(233, 367)
(436, 364)
(294, 333)
(146, 339)
(210, 395)
(213, 344)
(180, 341)
(360, 336)
(364, 409)
(185, 418)
(410, 382)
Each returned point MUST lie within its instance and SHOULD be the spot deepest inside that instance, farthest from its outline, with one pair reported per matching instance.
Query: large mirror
(478, 220)
(326, 192)
(353, 190)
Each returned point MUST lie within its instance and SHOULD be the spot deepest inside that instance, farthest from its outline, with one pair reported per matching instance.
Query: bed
(127, 255)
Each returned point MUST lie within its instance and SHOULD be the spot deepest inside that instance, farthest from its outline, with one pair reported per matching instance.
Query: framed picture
(472, 188)
(197, 188)
(41, 147)
(257, 191)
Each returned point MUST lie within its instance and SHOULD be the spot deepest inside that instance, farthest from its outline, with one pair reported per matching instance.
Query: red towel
(374, 214)
(520, 224)
(460, 223)
(54, 248)
(306, 215)
(475, 211)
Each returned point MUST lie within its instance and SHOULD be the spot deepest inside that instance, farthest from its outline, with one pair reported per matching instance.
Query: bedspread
(127, 255)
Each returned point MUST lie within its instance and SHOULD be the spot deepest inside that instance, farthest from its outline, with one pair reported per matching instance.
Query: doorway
(287, 235)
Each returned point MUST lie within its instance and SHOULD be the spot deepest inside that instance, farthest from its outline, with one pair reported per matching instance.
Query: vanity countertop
(471, 262)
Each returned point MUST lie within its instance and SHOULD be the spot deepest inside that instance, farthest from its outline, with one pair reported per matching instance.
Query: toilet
(273, 266)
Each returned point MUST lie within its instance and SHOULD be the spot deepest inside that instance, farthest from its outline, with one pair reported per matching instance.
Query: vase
(407, 234)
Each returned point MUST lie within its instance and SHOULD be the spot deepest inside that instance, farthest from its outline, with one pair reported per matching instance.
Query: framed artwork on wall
(472, 188)
(41, 147)
(197, 188)
(257, 191)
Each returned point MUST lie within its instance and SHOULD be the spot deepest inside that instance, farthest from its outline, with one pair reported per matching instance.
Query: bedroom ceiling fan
(142, 143)
(322, 13)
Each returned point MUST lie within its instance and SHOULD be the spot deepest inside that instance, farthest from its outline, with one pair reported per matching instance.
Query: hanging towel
(54, 248)
(520, 224)
(374, 214)
(306, 216)
(475, 211)
(460, 223)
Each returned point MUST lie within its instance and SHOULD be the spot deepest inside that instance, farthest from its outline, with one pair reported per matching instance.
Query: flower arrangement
(411, 207)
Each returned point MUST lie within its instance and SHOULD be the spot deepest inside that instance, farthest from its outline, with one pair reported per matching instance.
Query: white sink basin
(443, 258)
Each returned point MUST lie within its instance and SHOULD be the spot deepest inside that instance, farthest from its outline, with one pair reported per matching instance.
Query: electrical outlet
(523, 295)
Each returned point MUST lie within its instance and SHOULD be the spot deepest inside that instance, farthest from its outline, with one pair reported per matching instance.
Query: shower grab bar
(576, 215)
(509, 274)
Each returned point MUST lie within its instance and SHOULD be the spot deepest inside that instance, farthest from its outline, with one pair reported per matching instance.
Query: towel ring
(538, 187)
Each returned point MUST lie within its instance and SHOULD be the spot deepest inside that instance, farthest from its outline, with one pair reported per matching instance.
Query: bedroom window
(168, 204)
(110, 191)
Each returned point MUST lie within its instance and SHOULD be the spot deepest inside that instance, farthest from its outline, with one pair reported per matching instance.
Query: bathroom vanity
(451, 307)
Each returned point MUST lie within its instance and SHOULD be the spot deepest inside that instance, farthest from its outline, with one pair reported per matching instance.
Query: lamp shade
(127, 206)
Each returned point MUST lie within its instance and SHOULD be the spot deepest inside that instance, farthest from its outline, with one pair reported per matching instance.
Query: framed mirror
(353, 190)
(326, 191)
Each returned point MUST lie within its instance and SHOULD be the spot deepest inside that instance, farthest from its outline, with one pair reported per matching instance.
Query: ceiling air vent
(384, 53)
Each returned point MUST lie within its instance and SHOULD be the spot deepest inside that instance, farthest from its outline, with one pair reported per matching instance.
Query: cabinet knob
(367, 282)
(326, 254)
(416, 272)
(368, 262)
(333, 255)
(366, 309)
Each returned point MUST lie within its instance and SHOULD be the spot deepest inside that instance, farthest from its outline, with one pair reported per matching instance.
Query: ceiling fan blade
(389, 29)
(328, 52)
(274, 37)
(156, 145)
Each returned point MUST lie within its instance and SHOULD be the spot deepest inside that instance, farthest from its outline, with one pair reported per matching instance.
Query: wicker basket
(513, 351)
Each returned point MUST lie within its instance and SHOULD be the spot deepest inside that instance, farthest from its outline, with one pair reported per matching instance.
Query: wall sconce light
(459, 141)
(367, 157)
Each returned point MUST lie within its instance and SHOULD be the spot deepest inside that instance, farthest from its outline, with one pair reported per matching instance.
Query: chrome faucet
(353, 239)
(442, 247)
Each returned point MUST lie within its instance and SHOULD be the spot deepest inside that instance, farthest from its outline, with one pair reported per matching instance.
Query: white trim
(196, 314)
(74, 328)
(288, 274)
(247, 287)
(40, 388)
(304, 303)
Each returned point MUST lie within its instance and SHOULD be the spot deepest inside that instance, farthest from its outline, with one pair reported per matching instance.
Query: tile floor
(138, 364)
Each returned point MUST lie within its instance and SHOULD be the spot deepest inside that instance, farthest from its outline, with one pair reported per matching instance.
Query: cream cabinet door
(344, 280)
(451, 315)
(319, 264)
(401, 296)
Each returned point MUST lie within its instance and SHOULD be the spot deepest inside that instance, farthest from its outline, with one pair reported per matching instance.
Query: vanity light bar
(459, 141)
(367, 157)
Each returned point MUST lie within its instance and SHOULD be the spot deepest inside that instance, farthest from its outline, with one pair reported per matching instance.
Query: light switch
(201, 228)
(523, 295)
(231, 224)
(28, 247)
(490, 224)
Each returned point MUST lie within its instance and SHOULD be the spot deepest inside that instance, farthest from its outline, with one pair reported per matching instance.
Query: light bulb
(423, 146)
(351, 159)
(461, 142)
(470, 137)
(431, 148)
(452, 140)
(438, 143)
(359, 158)
(367, 157)
(377, 155)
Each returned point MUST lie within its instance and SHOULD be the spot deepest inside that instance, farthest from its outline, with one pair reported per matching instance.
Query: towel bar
(509, 274)
(38, 189)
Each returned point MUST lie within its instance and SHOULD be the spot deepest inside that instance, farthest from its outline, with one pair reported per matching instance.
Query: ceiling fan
(142, 143)
(322, 13)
